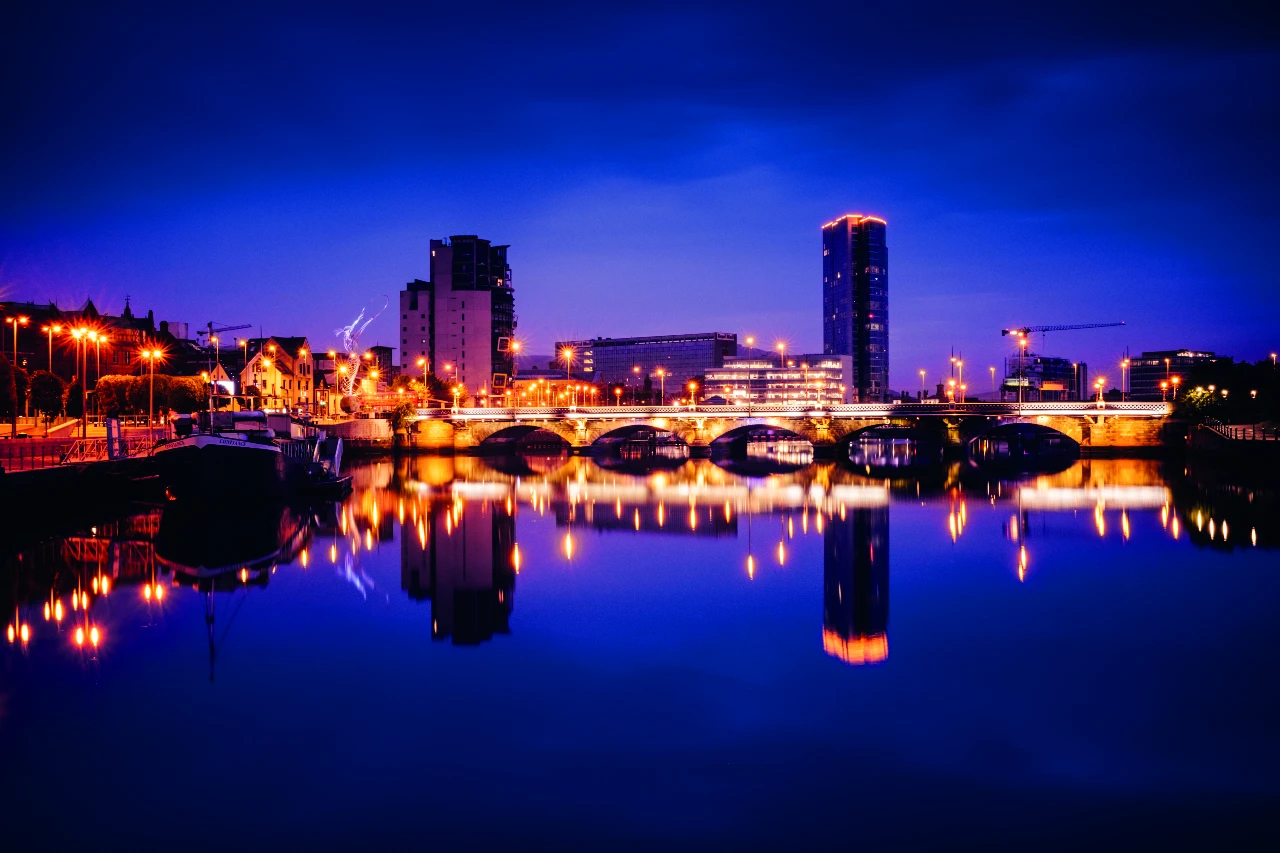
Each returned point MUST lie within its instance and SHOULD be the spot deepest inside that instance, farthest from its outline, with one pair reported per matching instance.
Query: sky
(656, 167)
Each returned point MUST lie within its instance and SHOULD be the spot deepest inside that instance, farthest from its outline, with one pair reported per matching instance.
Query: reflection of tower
(460, 557)
(855, 600)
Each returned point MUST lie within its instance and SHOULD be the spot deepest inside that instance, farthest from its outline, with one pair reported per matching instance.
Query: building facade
(462, 320)
(1148, 370)
(855, 301)
(817, 379)
(1044, 378)
(669, 361)
(283, 372)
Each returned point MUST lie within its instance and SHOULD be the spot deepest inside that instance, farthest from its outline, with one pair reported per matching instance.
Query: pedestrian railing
(1246, 432)
(32, 454)
(97, 449)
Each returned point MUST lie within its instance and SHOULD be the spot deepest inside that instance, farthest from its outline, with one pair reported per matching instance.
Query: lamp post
(567, 354)
(617, 395)
(1124, 367)
(1099, 383)
(515, 355)
(81, 356)
(151, 355)
(693, 395)
(16, 322)
(960, 377)
(244, 344)
(923, 390)
(1164, 391)
(993, 383)
(311, 385)
(50, 330)
(1175, 380)
(662, 387)
(781, 347)
(1022, 369)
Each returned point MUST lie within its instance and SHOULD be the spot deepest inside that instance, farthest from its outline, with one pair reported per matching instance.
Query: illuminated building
(463, 317)
(810, 378)
(855, 597)
(1148, 370)
(460, 559)
(680, 357)
(855, 301)
(1044, 378)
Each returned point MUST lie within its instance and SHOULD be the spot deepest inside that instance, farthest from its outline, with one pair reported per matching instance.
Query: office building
(813, 378)
(1043, 378)
(855, 301)
(628, 361)
(1148, 370)
(463, 318)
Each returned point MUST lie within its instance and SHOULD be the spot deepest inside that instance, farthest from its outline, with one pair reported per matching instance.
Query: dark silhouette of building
(855, 301)
(461, 558)
(855, 597)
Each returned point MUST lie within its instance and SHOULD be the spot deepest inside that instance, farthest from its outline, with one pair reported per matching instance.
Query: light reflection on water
(669, 569)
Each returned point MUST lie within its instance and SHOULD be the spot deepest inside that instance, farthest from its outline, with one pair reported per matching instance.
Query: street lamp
(781, 347)
(960, 377)
(693, 392)
(1022, 366)
(49, 330)
(566, 353)
(923, 390)
(244, 344)
(16, 322)
(1124, 366)
(1099, 383)
(1164, 391)
(617, 395)
(1175, 380)
(151, 355)
(662, 387)
(993, 383)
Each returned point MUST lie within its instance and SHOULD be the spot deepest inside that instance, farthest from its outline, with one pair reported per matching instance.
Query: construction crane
(1026, 330)
(212, 331)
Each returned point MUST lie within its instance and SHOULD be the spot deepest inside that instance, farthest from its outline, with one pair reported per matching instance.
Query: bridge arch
(523, 438)
(738, 441)
(1025, 446)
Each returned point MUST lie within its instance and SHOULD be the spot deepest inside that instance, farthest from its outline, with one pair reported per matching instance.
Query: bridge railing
(797, 410)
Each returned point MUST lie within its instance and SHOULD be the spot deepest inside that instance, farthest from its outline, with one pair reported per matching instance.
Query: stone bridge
(1108, 425)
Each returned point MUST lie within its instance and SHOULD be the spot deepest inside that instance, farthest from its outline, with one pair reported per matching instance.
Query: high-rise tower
(463, 319)
(855, 301)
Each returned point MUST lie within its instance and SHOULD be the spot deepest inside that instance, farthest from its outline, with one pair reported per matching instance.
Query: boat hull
(213, 466)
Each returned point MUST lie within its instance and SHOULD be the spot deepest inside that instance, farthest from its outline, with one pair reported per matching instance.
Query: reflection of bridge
(1091, 423)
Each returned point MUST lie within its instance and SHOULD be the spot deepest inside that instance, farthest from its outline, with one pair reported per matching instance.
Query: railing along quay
(1246, 432)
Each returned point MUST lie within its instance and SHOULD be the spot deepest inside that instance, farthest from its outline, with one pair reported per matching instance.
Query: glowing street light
(50, 330)
(693, 392)
(993, 383)
(923, 390)
(662, 387)
(1164, 391)
(566, 354)
(152, 356)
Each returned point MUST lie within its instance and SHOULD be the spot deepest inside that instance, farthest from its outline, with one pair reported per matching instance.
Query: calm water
(559, 656)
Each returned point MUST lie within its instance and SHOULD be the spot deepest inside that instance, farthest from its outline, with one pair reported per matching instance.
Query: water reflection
(461, 556)
(855, 600)
(454, 524)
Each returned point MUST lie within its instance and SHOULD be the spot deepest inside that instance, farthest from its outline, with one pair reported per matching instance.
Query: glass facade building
(817, 379)
(855, 301)
(627, 361)
(1044, 378)
(1148, 370)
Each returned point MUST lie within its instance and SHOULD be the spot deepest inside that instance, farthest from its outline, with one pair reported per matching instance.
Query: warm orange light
(79, 636)
(95, 636)
(856, 650)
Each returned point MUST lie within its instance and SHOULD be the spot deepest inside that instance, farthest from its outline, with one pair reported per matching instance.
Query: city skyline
(1045, 171)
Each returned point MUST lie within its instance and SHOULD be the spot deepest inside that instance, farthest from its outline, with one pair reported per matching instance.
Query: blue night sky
(656, 168)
